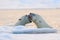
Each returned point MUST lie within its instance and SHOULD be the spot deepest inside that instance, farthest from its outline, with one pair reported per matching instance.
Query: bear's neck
(41, 24)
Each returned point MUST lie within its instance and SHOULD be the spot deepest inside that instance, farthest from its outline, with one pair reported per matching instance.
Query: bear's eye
(19, 19)
(40, 21)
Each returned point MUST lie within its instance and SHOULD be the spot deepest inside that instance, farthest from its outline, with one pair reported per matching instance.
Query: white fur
(39, 21)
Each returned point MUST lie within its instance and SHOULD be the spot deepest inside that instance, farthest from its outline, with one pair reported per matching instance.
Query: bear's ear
(19, 19)
(31, 13)
(26, 15)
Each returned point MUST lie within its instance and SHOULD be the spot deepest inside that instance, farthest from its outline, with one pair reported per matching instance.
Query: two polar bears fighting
(42, 26)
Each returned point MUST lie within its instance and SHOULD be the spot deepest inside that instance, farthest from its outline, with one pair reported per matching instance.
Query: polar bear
(20, 24)
(39, 21)
(23, 20)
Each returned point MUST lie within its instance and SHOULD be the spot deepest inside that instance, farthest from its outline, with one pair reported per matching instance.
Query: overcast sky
(21, 4)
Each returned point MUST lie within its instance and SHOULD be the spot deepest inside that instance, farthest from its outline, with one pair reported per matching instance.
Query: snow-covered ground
(5, 34)
(8, 36)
